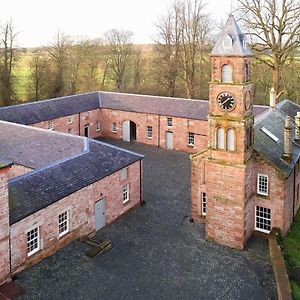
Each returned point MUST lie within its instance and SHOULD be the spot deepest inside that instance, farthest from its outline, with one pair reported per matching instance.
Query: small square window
(70, 130)
(50, 125)
(114, 127)
(203, 203)
(98, 126)
(63, 223)
(124, 174)
(262, 184)
(125, 193)
(169, 122)
(191, 141)
(69, 119)
(149, 132)
(149, 118)
(33, 241)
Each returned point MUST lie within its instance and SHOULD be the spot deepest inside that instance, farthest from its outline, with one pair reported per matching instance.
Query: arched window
(230, 140)
(220, 138)
(247, 72)
(227, 73)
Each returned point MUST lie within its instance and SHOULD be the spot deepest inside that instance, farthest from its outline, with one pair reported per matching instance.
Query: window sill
(190, 145)
(63, 234)
(266, 196)
(33, 252)
(113, 131)
(149, 138)
(126, 202)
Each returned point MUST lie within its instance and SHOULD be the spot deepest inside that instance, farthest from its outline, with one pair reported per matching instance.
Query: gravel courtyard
(157, 253)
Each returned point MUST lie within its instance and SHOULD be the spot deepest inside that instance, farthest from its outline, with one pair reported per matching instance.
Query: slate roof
(288, 107)
(35, 148)
(36, 190)
(231, 30)
(167, 106)
(270, 150)
(35, 112)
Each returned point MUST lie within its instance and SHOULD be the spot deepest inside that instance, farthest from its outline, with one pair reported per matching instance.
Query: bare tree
(274, 26)
(40, 76)
(59, 52)
(8, 58)
(167, 51)
(119, 50)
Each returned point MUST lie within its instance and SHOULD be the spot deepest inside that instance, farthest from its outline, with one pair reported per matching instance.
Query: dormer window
(227, 42)
(244, 42)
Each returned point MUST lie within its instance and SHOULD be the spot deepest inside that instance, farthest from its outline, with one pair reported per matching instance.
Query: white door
(99, 214)
(126, 131)
(169, 140)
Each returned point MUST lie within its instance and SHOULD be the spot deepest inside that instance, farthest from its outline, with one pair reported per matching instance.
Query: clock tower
(222, 174)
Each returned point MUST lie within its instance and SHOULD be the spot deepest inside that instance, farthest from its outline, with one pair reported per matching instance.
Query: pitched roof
(34, 147)
(36, 190)
(269, 140)
(288, 107)
(237, 43)
(35, 112)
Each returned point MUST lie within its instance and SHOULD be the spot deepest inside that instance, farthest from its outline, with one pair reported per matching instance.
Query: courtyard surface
(157, 253)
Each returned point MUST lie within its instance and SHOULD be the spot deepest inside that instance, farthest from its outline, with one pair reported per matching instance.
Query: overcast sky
(37, 21)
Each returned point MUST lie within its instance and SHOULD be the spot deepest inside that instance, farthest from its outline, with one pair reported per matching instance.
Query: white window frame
(191, 139)
(230, 139)
(262, 218)
(98, 126)
(203, 203)
(64, 222)
(149, 132)
(125, 193)
(114, 127)
(70, 119)
(259, 191)
(35, 239)
(220, 138)
(50, 125)
(169, 122)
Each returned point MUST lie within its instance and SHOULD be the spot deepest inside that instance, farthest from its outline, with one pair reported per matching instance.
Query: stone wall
(81, 207)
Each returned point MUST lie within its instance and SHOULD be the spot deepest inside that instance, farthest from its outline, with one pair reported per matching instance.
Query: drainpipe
(158, 138)
(79, 125)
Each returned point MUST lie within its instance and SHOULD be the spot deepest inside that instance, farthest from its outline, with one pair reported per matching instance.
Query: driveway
(157, 253)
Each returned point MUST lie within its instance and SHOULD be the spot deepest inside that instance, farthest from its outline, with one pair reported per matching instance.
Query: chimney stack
(297, 128)
(287, 154)
(272, 97)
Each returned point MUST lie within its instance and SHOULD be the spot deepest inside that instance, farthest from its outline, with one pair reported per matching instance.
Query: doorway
(129, 131)
(169, 140)
(87, 130)
(99, 214)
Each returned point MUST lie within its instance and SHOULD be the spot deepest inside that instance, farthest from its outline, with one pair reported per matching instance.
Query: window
(262, 184)
(63, 223)
(114, 127)
(33, 241)
(125, 193)
(191, 139)
(70, 130)
(124, 174)
(227, 73)
(97, 126)
(149, 118)
(230, 140)
(169, 122)
(69, 119)
(220, 138)
(203, 203)
(263, 219)
(50, 125)
(149, 132)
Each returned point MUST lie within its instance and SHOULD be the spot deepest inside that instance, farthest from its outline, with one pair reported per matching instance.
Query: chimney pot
(297, 128)
(272, 97)
(287, 154)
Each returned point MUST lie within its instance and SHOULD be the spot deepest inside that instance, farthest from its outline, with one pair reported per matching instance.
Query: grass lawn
(291, 245)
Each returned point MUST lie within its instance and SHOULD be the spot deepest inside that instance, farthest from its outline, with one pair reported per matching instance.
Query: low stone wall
(279, 269)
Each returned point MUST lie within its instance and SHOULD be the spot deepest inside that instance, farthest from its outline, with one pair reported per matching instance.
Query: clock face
(226, 101)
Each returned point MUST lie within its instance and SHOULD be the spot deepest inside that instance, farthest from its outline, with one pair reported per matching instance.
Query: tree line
(177, 64)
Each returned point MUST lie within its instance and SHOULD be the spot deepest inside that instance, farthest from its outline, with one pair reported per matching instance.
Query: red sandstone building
(56, 183)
